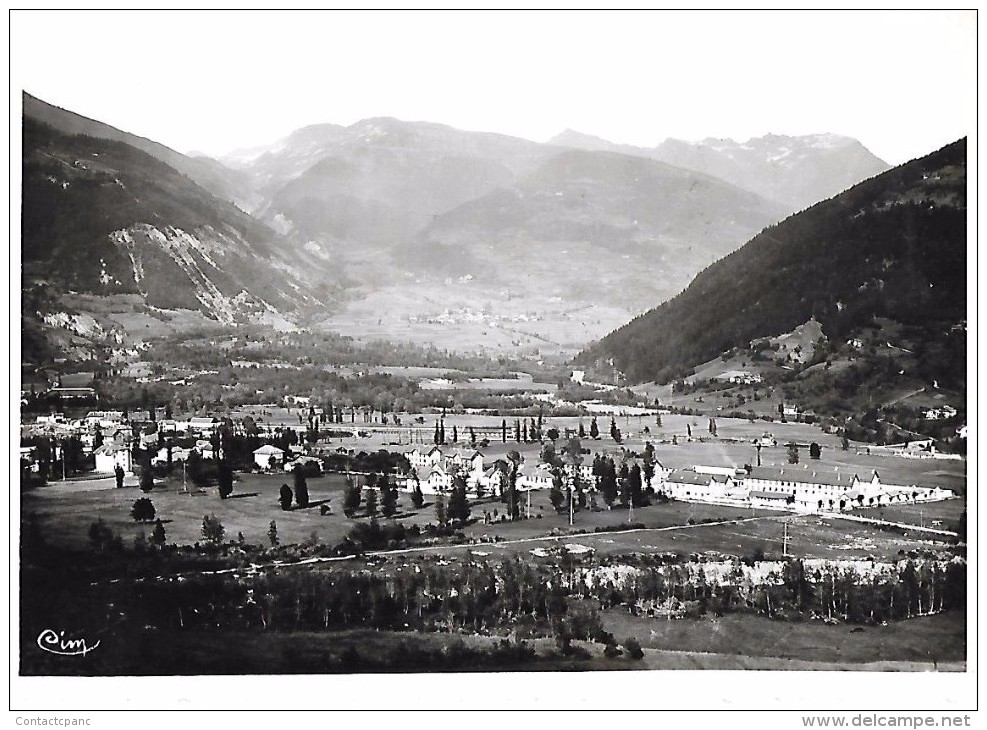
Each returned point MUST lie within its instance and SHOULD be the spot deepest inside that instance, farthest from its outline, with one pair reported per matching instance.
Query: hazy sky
(902, 82)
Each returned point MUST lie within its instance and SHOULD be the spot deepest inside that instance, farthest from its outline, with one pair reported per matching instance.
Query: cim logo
(55, 643)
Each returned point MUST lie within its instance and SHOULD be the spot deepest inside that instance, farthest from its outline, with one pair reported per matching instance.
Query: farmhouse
(742, 377)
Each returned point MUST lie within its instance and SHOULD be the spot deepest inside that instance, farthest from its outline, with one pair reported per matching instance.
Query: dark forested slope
(891, 247)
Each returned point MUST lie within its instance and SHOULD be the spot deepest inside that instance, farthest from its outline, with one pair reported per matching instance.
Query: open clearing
(927, 641)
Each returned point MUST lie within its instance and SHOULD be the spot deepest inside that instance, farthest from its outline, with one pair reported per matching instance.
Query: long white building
(794, 488)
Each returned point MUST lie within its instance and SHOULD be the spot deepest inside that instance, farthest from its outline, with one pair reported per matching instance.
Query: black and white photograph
(494, 360)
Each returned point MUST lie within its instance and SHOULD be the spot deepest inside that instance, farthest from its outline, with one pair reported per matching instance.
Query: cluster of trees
(525, 431)
(627, 485)
(58, 457)
(911, 588)
(232, 387)
(559, 599)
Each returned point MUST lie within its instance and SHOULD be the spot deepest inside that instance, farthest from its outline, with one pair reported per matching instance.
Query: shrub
(158, 534)
(285, 498)
(633, 647)
(212, 529)
(143, 510)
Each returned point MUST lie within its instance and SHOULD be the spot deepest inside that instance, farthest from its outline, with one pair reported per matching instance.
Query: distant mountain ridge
(408, 218)
(656, 224)
(793, 171)
(892, 248)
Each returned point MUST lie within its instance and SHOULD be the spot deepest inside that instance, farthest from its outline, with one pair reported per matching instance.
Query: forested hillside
(893, 247)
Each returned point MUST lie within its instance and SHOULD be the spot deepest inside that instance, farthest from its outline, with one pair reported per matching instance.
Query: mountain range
(794, 172)
(371, 228)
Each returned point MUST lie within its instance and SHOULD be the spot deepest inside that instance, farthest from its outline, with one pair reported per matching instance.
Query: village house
(469, 461)
(268, 455)
(432, 480)
(103, 419)
(741, 377)
(177, 454)
(433, 469)
(534, 477)
(112, 454)
(424, 458)
(308, 463)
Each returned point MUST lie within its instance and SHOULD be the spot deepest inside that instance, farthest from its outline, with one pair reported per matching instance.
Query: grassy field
(65, 512)
(809, 537)
(65, 516)
(925, 515)
(925, 640)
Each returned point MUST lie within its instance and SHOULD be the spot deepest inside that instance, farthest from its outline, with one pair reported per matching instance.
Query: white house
(110, 455)
(205, 449)
(264, 455)
(424, 461)
(433, 481)
(534, 477)
(424, 458)
(105, 419)
(469, 461)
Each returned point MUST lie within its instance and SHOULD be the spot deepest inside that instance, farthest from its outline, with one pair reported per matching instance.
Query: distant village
(111, 442)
